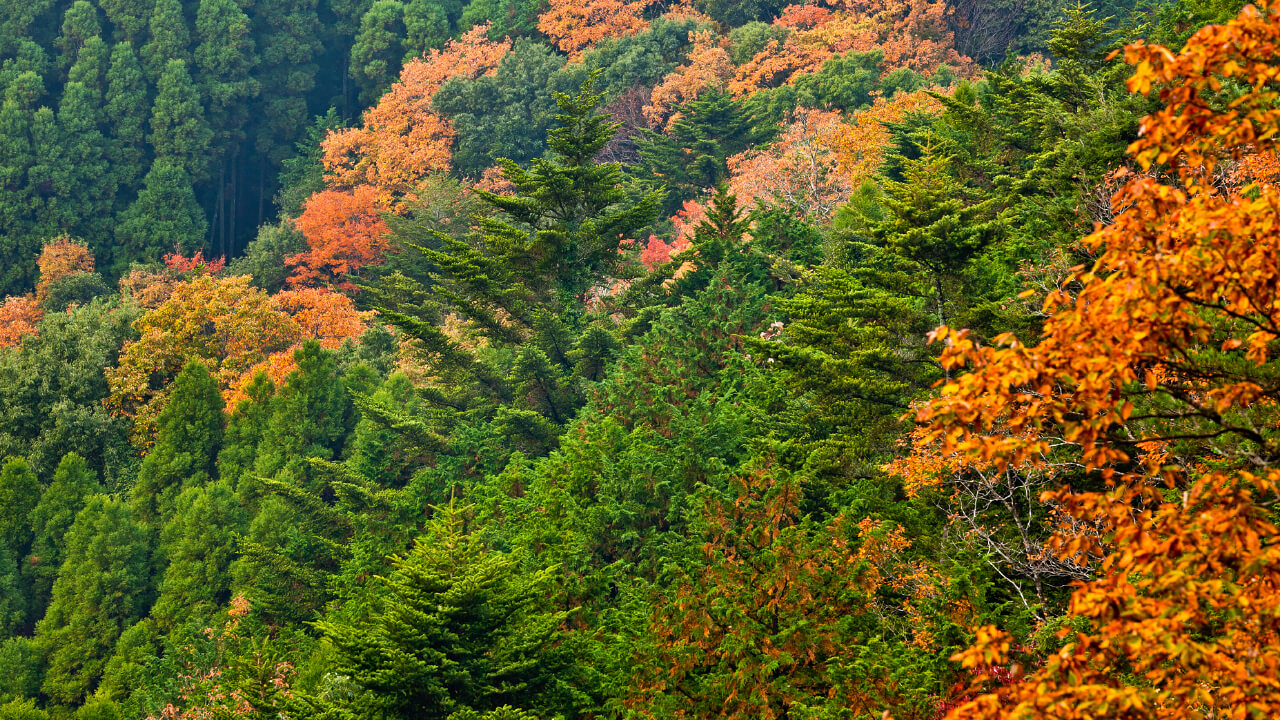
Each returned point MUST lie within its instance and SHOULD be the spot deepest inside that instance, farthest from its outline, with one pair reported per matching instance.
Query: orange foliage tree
(708, 66)
(912, 34)
(819, 158)
(344, 231)
(1158, 379)
(60, 258)
(19, 317)
(576, 25)
(402, 140)
(228, 324)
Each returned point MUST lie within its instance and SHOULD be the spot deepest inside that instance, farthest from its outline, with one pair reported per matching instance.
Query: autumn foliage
(344, 232)
(401, 139)
(60, 258)
(577, 25)
(912, 34)
(820, 157)
(19, 316)
(1157, 378)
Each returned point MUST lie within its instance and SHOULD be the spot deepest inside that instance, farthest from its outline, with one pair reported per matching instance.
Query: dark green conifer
(198, 546)
(169, 39)
(51, 520)
(125, 112)
(310, 416)
(102, 588)
(188, 437)
(180, 133)
(376, 52)
(79, 23)
(165, 214)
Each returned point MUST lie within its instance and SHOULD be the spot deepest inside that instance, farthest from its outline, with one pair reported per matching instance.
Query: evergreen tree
(188, 437)
(19, 494)
(89, 185)
(79, 23)
(376, 52)
(245, 429)
(180, 133)
(126, 116)
(129, 18)
(457, 631)
(102, 588)
(310, 416)
(428, 24)
(169, 40)
(90, 68)
(18, 245)
(226, 58)
(690, 157)
(165, 214)
(198, 546)
(51, 520)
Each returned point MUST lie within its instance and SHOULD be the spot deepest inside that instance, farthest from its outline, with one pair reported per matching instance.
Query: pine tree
(79, 23)
(164, 214)
(427, 25)
(18, 245)
(188, 437)
(90, 186)
(690, 157)
(102, 588)
(72, 485)
(180, 133)
(376, 51)
(129, 18)
(309, 417)
(198, 546)
(125, 112)
(90, 68)
(19, 494)
(169, 40)
(457, 629)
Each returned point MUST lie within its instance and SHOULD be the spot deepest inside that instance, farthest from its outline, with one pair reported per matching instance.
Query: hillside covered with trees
(639, 360)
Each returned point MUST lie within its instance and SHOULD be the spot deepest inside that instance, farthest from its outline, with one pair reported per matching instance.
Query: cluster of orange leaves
(820, 157)
(911, 33)
(20, 315)
(234, 328)
(370, 169)
(1187, 593)
(708, 66)
(575, 26)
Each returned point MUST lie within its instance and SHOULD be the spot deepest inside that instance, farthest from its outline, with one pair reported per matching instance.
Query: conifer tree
(376, 52)
(691, 156)
(72, 485)
(428, 25)
(180, 133)
(457, 631)
(188, 437)
(198, 546)
(19, 494)
(17, 154)
(169, 39)
(89, 185)
(164, 214)
(79, 23)
(102, 588)
(309, 417)
(90, 67)
(129, 18)
(125, 112)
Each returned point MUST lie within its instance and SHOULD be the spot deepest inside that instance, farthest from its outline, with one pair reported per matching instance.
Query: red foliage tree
(344, 231)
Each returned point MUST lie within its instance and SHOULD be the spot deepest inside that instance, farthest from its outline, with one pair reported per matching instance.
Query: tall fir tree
(129, 18)
(102, 588)
(198, 546)
(126, 116)
(376, 51)
(310, 417)
(89, 184)
(51, 520)
(165, 214)
(79, 23)
(180, 131)
(169, 39)
(18, 245)
(19, 495)
(188, 438)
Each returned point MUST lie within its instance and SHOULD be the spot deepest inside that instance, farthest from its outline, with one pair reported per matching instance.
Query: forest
(639, 360)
